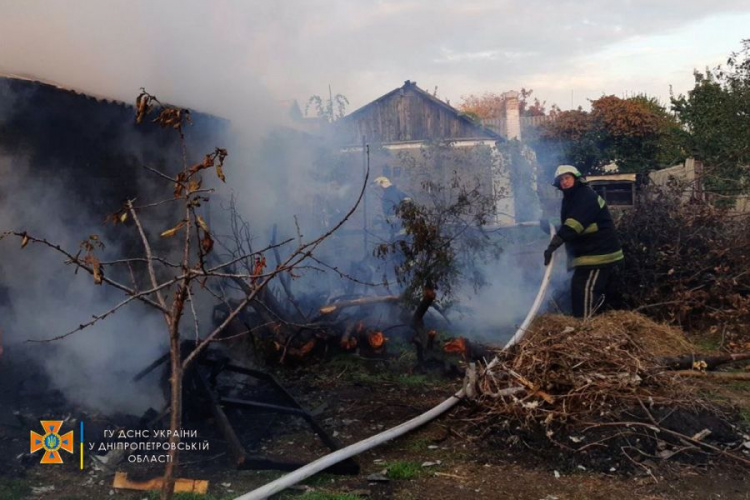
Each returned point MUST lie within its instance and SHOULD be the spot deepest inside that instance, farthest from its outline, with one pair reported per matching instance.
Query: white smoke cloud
(47, 298)
(229, 56)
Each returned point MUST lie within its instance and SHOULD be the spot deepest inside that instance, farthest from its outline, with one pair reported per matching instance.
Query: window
(616, 194)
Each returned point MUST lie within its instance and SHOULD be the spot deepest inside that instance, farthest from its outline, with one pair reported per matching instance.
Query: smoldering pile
(602, 383)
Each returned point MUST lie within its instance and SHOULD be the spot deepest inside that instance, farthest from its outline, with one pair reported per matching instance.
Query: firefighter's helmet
(565, 169)
(382, 181)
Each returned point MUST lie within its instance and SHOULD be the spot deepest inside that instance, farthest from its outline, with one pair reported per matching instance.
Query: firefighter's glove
(553, 245)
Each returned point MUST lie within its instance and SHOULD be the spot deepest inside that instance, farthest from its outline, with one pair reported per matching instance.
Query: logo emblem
(52, 442)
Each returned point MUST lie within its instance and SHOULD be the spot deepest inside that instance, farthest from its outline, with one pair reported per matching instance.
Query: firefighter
(392, 198)
(590, 238)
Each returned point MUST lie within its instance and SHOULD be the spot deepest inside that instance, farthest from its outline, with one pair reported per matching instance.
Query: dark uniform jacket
(392, 198)
(587, 228)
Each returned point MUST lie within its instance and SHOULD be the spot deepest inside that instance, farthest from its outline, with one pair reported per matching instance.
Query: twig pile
(573, 371)
(599, 388)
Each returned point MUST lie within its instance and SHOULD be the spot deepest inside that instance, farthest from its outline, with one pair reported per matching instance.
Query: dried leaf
(24, 240)
(98, 275)
(179, 187)
(195, 185)
(141, 105)
(96, 268)
(171, 232)
(220, 173)
(123, 217)
(206, 243)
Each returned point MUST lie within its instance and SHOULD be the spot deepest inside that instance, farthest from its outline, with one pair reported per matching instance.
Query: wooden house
(398, 128)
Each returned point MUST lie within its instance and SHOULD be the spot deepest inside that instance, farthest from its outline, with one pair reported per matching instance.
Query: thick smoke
(44, 298)
(211, 62)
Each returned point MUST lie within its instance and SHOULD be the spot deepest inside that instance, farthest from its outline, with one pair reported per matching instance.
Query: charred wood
(720, 376)
(236, 450)
(363, 301)
(421, 338)
(688, 361)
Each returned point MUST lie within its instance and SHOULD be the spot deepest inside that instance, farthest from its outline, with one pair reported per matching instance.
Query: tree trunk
(686, 361)
(420, 337)
(722, 376)
(175, 420)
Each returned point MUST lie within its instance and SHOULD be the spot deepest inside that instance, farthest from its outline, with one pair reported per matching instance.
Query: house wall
(690, 173)
(407, 114)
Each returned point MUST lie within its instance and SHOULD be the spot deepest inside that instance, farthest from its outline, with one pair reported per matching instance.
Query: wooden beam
(122, 482)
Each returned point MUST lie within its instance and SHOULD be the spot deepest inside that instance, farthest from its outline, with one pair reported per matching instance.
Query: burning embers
(358, 336)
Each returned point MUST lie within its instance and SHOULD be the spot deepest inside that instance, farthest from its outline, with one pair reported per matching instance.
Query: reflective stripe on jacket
(587, 228)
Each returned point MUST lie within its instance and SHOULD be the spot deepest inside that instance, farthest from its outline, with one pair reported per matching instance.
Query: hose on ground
(326, 461)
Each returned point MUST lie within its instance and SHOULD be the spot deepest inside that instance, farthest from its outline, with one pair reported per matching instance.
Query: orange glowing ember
(456, 345)
(348, 344)
(376, 339)
(305, 349)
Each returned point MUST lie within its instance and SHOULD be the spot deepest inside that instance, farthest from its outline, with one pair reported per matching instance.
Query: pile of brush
(567, 371)
(606, 386)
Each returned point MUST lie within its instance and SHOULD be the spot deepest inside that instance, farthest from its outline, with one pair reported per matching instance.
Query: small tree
(443, 241)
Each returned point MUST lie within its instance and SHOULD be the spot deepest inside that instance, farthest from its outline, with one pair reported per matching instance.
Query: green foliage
(418, 444)
(403, 469)
(744, 412)
(365, 372)
(716, 114)
(707, 343)
(330, 109)
(323, 495)
(637, 133)
(320, 479)
(154, 495)
(443, 241)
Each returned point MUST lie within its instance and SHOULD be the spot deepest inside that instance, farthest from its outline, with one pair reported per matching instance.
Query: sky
(212, 55)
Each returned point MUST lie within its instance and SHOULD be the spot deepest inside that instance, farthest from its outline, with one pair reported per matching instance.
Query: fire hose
(326, 461)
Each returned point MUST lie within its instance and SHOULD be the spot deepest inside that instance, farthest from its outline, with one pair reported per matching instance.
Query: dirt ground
(353, 398)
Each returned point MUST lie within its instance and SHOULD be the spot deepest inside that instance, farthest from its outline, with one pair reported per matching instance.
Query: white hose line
(326, 461)
(537, 301)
